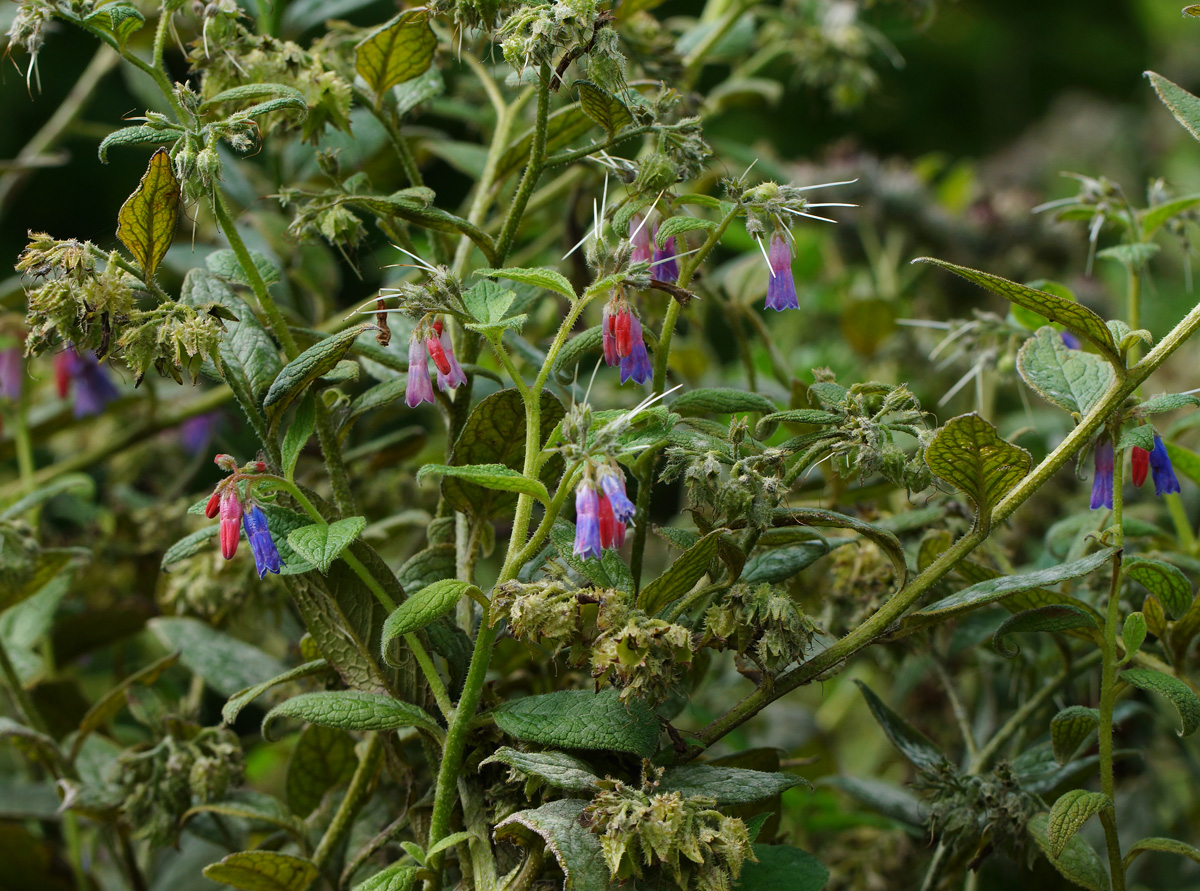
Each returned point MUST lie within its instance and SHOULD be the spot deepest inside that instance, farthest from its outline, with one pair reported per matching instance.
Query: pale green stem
(24, 442)
(160, 41)
(1183, 526)
(1108, 682)
(533, 171)
(355, 798)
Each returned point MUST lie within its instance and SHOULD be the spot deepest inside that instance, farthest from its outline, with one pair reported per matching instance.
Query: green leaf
(397, 51)
(139, 135)
(1166, 402)
(322, 543)
(108, 705)
(427, 566)
(1182, 104)
(892, 801)
(242, 698)
(1179, 693)
(796, 416)
(728, 785)
(969, 455)
(676, 226)
(1165, 845)
(263, 871)
(395, 878)
(1069, 813)
(602, 107)
(1164, 581)
(81, 483)
(489, 476)
(495, 434)
(1075, 316)
(562, 536)
(580, 719)
(562, 127)
(780, 564)
(1078, 863)
(254, 91)
(299, 432)
(1135, 255)
(557, 769)
(425, 606)
(188, 546)
(721, 400)
(679, 578)
(1141, 436)
(1052, 618)
(118, 19)
(1184, 460)
(225, 663)
(261, 811)
(146, 222)
(576, 848)
(782, 867)
(1153, 218)
(992, 590)
(282, 522)
(225, 263)
(351, 710)
(911, 742)
(886, 540)
(317, 360)
(488, 302)
(1133, 633)
(1070, 728)
(542, 277)
(322, 760)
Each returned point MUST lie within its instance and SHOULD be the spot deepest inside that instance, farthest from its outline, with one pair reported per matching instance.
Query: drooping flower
(1165, 481)
(608, 524)
(196, 433)
(781, 287)
(455, 378)
(1139, 458)
(637, 364)
(1102, 480)
(266, 555)
(587, 521)
(419, 388)
(11, 373)
(664, 268)
(1071, 341)
(608, 335)
(612, 481)
(93, 387)
(231, 521)
(639, 238)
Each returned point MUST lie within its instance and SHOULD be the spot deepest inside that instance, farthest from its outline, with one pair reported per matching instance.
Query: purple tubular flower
(613, 484)
(94, 389)
(637, 364)
(196, 433)
(456, 378)
(665, 267)
(419, 388)
(266, 555)
(781, 287)
(639, 238)
(587, 521)
(1071, 341)
(1102, 481)
(1165, 481)
(11, 372)
(608, 338)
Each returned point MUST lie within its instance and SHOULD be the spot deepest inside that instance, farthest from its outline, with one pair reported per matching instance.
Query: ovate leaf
(1070, 728)
(351, 710)
(263, 871)
(1133, 633)
(912, 743)
(580, 719)
(1054, 617)
(780, 564)
(676, 226)
(576, 848)
(398, 50)
(557, 769)
(322, 543)
(397, 877)
(1069, 813)
(242, 698)
(728, 785)
(782, 867)
(118, 19)
(1071, 379)
(1179, 693)
(721, 400)
(969, 455)
(319, 359)
(425, 606)
(602, 107)
(489, 476)
(1078, 863)
(1165, 581)
(323, 759)
(1165, 845)
(488, 302)
(1182, 104)
(542, 277)
(147, 219)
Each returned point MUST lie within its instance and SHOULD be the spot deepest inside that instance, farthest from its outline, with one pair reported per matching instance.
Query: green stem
(533, 171)
(331, 450)
(24, 442)
(1183, 527)
(1108, 682)
(408, 161)
(572, 155)
(355, 798)
(160, 41)
(25, 707)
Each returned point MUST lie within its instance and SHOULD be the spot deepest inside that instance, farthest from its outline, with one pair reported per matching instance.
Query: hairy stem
(533, 171)
(1108, 683)
(356, 796)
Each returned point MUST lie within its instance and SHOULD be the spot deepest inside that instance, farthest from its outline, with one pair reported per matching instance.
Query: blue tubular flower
(1165, 481)
(266, 555)
(637, 364)
(1070, 341)
(613, 484)
(781, 287)
(1102, 481)
(587, 521)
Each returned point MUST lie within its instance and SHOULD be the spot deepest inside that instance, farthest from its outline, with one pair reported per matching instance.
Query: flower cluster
(621, 337)
(1156, 462)
(602, 509)
(431, 342)
(643, 238)
(238, 511)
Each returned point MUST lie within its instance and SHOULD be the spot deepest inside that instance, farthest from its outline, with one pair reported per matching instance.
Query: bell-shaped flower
(1165, 481)
(639, 238)
(637, 364)
(665, 267)
(781, 287)
(11, 373)
(608, 524)
(94, 389)
(455, 378)
(266, 555)
(612, 482)
(587, 521)
(608, 335)
(419, 388)
(1102, 480)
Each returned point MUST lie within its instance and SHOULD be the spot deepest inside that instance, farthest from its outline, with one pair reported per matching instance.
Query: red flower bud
(214, 504)
(608, 523)
(260, 466)
(434, 347)
(1140, 459)
(231, 522)
(624, 326)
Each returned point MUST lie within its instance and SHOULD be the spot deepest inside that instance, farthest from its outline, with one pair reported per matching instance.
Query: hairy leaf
(912, 743)
(1071, 379)
(146, 222)
(395, 878)
(968, 454)
(1165, 581)
(557, 769)
(225, 663)
(542, 277)
(1180, 694)
(1165, 845)
(488, 302)
(1070, 728)
(398, 50)
(577, 849)
(489, 476)
(298, 433)
(1182, 104)
(602, 107)
(323, 759)
(1069, 813)
(317, 360)
(728, 785)
(580, 719)
(263, 871)
(721, 400)
(1078, 863)
(322, 543)
(678, 578)
(351, 710)
(780, 867)
(425, 606)
(676, 226)
(1054, 617)
(242, 698)
(139, 135)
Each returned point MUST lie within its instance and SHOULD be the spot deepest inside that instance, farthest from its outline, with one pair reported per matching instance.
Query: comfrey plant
(519, 619)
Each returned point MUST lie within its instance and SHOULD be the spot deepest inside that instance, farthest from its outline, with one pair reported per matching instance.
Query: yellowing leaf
(398, 50)
(263, 871)
(146, 222)
(969, 455)
(602, 107)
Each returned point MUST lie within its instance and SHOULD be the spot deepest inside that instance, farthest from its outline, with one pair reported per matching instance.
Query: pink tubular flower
(665, 267)
(419, 388)
(231, 522)
(455, 378)
(637, 364)
(639, 238)
(781, 288)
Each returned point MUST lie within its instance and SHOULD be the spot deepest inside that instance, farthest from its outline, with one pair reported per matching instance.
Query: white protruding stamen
(676, 256)
(423, 264)
(923, 323)
(811, 216)
(762, 247)
(830, 204)
(962, 382)
(847, 182)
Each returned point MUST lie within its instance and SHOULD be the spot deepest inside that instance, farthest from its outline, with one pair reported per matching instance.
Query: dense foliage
(721, 549)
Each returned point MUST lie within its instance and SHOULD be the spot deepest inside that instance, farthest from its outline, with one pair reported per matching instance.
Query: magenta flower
(266, 555)
(1165, 481)
(637, 364)
(639, 237)
(1102, 480)
(612, 481)
(11, 373)
(665, 267)
(456, 378)
(781, 288)
(587, 521)
(419, 388)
